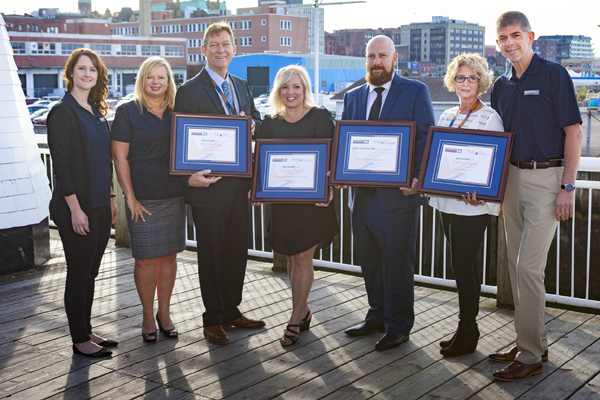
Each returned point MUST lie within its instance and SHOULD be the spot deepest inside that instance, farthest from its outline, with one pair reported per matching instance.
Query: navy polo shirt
(536, 107)
(98, 140)
(149, 139)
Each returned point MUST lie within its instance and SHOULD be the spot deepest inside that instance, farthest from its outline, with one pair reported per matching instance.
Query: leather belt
(538, 164)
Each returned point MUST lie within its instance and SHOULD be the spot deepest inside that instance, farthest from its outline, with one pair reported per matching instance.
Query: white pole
(317, 54)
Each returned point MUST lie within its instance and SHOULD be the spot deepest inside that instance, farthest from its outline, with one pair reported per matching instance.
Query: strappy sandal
(292, 338)
(305, 322)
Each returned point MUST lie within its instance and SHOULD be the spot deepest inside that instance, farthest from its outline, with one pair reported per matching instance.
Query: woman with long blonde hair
(155, 209)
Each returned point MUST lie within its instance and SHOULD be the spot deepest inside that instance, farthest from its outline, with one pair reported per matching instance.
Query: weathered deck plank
(36, 361)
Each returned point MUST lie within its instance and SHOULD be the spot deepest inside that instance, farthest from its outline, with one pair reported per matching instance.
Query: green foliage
(405, 73)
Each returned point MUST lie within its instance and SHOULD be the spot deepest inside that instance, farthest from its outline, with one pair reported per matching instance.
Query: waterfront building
(571, 46)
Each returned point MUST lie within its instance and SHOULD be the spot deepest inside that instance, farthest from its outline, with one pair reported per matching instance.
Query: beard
(378, 80)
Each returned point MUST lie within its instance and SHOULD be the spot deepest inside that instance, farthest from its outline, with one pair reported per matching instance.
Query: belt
(537, 164)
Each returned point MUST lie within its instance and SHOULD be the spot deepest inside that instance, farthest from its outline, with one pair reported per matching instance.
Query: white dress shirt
(219, 81)
(373, 95)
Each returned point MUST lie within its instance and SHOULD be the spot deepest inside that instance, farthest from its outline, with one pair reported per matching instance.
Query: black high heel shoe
(170, 333)
(149, 337)
(305, 322)
(292, 338)
(100, 353)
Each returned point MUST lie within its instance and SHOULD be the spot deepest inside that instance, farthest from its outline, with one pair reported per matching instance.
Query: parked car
(38, 113)
(112, 103)
(41, 119)
(42, 103)
(31, 100)
(261, 99)
(33, 108)
(52, 98)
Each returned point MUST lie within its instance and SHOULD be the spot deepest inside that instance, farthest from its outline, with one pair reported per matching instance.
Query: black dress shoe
(108, 343)
(390, 340)
(100, 353)
(364, 329)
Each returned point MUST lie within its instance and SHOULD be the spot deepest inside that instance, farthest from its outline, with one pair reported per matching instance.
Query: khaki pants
(529, 214)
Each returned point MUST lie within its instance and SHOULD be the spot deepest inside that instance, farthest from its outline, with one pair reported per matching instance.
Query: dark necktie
(376, 107)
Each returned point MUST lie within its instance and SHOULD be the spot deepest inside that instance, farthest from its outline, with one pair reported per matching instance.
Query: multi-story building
(571, 46)
(330, 43)
(353, 42)
(41, 57)
(442, 39)
(587, 68)
(545, 48)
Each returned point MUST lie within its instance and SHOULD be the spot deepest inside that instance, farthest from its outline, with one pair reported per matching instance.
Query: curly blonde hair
(283, 76)
(479, 66)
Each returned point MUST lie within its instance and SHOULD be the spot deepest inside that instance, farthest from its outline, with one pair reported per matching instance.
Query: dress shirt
(373, 95)
(219, 81)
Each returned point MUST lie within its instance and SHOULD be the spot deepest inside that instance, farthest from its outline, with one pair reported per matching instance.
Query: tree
(405, 73)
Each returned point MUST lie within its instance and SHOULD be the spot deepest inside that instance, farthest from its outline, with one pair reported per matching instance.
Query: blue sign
(413, 65)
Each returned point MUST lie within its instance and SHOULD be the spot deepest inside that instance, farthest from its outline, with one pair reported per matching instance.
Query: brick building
(545, 48)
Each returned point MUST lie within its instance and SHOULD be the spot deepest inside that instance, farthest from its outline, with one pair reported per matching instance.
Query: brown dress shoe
(518, 371)
(243, 322)
(510, 355)
(215, 334)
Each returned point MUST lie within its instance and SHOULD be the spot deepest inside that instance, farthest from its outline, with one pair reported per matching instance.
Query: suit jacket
(198, 95)
(406, 101)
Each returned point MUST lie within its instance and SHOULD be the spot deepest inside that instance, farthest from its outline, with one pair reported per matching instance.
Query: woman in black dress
(298, 230)
(82, 205)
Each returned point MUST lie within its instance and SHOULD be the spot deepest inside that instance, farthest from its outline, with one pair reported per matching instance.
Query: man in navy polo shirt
(536, 100)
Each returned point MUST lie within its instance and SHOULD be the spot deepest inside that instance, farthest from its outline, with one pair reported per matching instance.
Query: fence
(570, 278)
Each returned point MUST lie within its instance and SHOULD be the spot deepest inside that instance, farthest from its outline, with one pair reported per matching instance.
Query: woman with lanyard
(465, 220)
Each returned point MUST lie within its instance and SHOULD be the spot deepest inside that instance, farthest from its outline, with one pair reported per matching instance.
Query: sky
(549, 17)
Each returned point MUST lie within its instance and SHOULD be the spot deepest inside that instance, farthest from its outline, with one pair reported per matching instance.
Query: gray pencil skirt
(163, 233)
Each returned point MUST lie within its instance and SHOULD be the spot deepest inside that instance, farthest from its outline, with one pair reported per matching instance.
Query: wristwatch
(569, 187)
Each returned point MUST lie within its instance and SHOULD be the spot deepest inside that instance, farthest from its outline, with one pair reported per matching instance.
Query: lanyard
(467, 117)
(231, 109)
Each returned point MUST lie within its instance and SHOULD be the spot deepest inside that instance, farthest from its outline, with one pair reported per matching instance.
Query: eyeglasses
(471, 78)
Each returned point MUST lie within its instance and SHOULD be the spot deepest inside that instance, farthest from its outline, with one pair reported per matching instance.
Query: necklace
(157, 111)
(467, 117)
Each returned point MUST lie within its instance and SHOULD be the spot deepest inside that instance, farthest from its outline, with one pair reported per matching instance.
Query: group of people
(535, 99)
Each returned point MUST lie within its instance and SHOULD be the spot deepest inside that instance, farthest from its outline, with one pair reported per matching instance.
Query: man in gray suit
(220, 206)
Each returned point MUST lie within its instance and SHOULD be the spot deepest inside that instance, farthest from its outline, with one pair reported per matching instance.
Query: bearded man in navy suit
(384, 220)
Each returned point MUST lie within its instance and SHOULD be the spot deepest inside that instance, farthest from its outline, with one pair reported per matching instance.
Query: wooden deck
(36, 361)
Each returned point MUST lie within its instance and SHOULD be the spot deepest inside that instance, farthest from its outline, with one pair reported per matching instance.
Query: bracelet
(112, 196)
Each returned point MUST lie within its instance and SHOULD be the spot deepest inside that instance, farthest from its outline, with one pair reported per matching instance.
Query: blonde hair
(217, 28)
(479, 66)
(147, 67)
(283, 76)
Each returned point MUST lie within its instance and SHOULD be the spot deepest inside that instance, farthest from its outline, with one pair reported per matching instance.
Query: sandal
(292, 338)
(170, 333)
(305, 322)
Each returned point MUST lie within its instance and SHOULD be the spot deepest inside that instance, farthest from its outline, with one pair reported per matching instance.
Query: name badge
(531, 93)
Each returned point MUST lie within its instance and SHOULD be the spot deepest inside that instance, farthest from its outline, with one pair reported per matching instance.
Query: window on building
(245, 25)
(43, 48)
(68, 48)
(173, 51)
(263, 22)
(232, 25)
(127, 50)
(245, 41)
(101, 49)
(285, 41)
(263, 38)
(150, 51)
(285, 25)
(18, 47)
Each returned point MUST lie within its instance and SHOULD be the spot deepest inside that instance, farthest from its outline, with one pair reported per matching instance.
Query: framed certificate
(291, 171)
(221, 143)
(457, 161)
(373, 153)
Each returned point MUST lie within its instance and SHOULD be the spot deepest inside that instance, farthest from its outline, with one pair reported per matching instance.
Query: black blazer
(198, 96)
(68, 145)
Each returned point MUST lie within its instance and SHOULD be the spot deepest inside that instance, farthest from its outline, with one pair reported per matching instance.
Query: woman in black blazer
(82, 204)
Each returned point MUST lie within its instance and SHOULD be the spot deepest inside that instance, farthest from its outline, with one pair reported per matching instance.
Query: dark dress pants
(465, 234)
(385, 242)
(83, 255)
(222, 236)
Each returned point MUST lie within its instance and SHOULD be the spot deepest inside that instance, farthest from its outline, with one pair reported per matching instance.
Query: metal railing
(570, 278)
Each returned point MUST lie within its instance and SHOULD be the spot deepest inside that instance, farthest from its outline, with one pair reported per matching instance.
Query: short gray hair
(513, 18)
